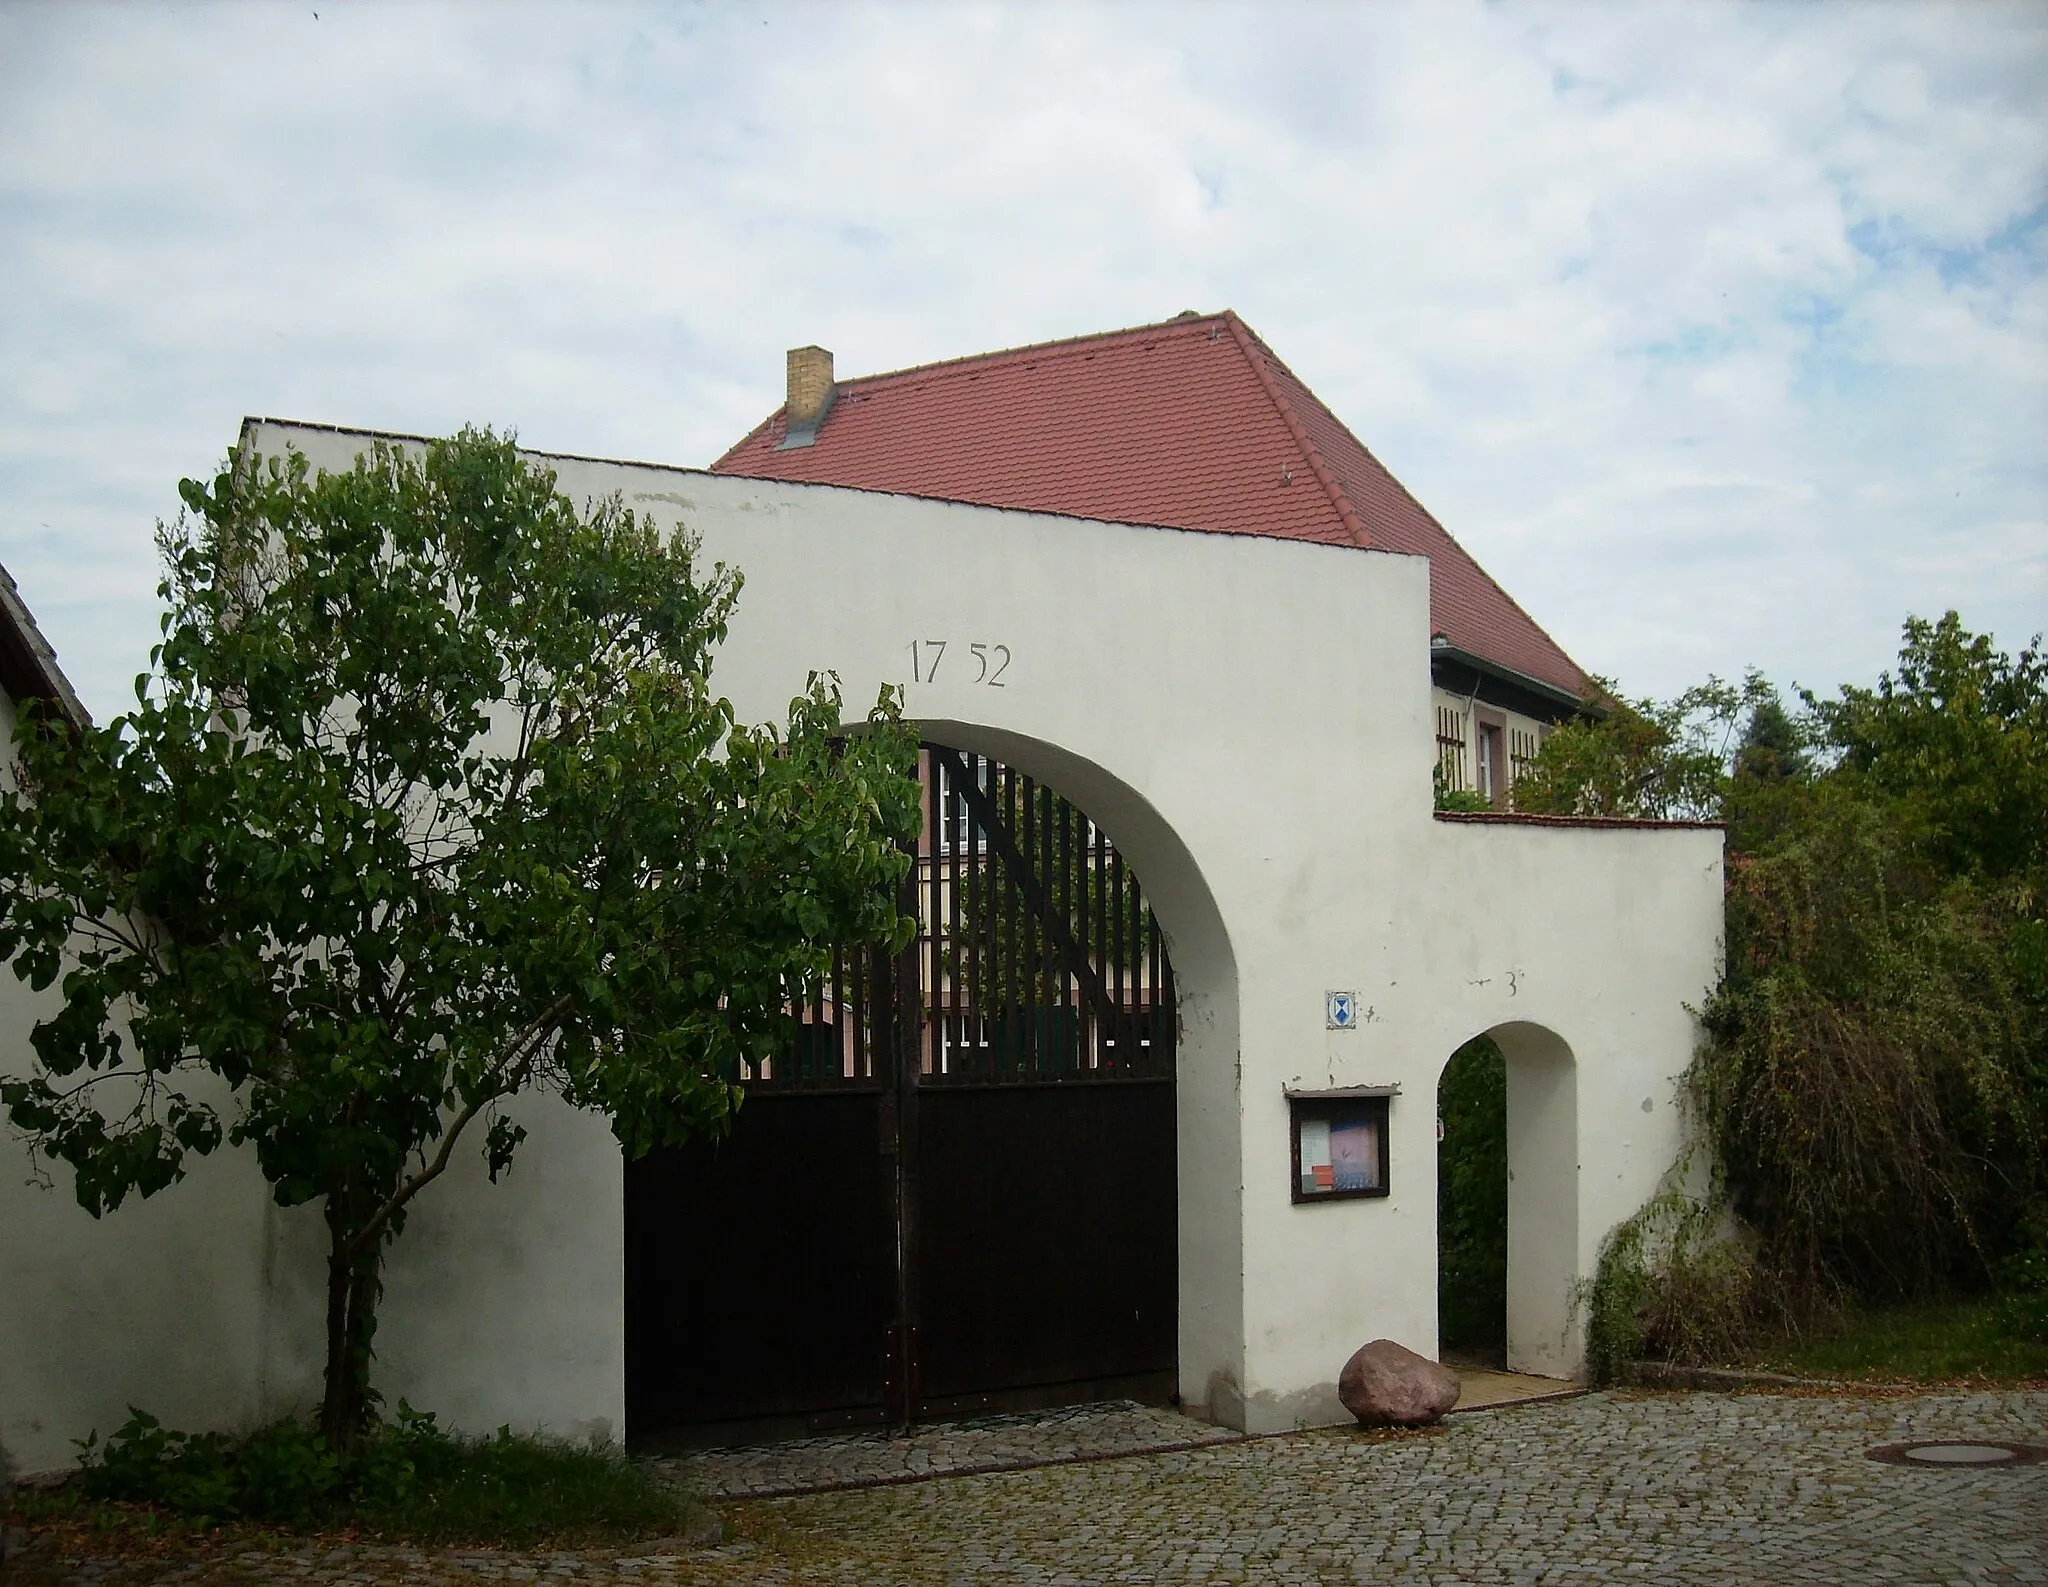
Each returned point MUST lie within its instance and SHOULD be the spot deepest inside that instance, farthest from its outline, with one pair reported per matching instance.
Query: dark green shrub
(284, 1475)
(1864, 1077)
(145, 1461)
(2023, 1283)
(1873, 1087)
(409, 1478)
(1675, 1283)
(1465, 800)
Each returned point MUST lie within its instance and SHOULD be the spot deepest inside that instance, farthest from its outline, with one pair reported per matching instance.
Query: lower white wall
(158, 1304)
(538, 1261)
(1579, 948)
(502, 1303)
(203, 1304)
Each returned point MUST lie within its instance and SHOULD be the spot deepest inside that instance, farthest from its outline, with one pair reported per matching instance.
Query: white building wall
(159, 1304)
(1252, 721)
(525, 1260)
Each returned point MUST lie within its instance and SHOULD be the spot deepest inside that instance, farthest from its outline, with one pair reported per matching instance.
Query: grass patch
(67, 1523)
(150, 1490)
(1964, 1341)
(528, 1490)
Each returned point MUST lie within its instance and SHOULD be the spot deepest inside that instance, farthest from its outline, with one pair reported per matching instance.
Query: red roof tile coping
(1529, 818)
(1191, 423)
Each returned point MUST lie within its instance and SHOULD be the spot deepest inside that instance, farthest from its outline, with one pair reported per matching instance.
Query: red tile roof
(1189, 424)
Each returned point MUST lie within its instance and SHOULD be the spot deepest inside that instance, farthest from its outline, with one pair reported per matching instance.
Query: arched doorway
(1508, 1201)
(956, 1190)
(1472, 1206)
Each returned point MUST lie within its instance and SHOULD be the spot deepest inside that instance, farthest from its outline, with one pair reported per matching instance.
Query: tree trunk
(354, 1284)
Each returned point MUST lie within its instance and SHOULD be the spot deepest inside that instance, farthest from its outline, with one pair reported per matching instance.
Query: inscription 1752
(928, 657)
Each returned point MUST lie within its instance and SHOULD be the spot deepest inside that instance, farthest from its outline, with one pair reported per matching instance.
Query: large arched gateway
(955, 1190)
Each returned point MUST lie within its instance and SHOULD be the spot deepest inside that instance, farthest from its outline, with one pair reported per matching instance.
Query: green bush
(1674, 1283)
(1464, 800)
(190, 1473)
(1865, 1079)
(1872, 1089)
(2023, 1283)
(410, 1478)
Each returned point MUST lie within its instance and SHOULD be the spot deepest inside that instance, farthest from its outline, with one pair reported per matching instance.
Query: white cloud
(1719, 333)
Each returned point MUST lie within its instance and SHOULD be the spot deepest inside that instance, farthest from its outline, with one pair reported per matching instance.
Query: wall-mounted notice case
(1340, 1142)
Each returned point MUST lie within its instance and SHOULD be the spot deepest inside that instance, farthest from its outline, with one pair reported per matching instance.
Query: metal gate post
(907, 983)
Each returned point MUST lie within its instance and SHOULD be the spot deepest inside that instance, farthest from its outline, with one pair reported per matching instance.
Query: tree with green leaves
(1958, 738)
(1643, 759)
(1876, 1075)
(426, 803)
(1873, 1081)
(1775, 746)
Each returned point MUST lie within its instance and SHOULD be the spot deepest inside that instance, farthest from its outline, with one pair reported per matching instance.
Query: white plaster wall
(501, 1302)
(158, 1304)
(1220, 704)
(539, 1263)
(1586, 941)
(1251, 720)
(1616, 935)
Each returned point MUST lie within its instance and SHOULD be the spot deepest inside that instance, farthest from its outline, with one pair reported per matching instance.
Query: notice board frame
(1342, 1105)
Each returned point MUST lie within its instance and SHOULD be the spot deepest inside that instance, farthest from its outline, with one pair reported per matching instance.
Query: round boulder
(1388, 1385)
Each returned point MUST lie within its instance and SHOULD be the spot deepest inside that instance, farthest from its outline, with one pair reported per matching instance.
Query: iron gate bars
(1039, 958)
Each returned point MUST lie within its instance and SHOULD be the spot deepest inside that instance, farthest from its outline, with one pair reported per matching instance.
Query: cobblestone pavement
(991, 1443)
(1606, 1488)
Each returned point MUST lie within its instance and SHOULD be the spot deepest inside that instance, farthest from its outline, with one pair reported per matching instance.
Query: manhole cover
(1959, 1452)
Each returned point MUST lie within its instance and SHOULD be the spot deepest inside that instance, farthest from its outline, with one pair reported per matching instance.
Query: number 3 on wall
(991, 661)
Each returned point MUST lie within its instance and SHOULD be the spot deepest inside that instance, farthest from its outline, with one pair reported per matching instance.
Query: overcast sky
(1718, 333)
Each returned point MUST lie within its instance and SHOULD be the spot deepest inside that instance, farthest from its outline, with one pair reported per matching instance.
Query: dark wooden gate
(956, 1191)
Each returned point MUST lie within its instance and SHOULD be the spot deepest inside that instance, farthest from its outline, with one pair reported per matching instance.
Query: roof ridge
(1059, 346)
(1255, 353)
(1435, 522)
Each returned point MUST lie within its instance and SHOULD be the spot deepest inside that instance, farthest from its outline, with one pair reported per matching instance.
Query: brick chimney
(810, 395)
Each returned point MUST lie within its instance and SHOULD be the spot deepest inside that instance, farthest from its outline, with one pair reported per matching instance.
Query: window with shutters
(1453, 763)
(1522, 746)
